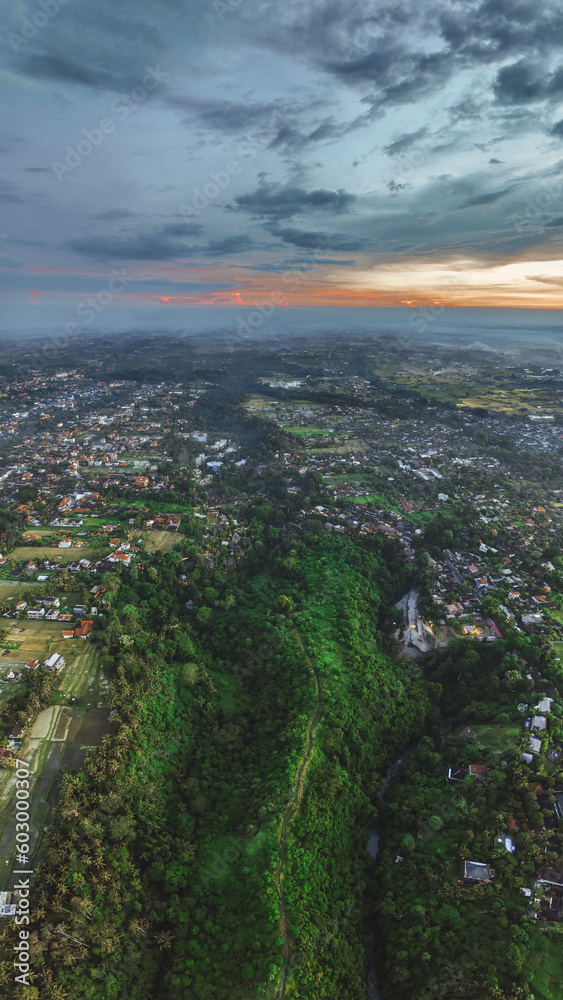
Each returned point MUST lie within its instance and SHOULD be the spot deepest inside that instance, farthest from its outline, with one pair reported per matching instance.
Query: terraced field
(37, 639)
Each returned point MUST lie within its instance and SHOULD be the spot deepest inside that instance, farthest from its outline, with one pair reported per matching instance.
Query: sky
(258, 155)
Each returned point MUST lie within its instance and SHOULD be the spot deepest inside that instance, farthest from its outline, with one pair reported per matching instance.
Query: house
(534, 744)
(8, 905)
(477, 771)
(558, 806)
(551, 877)
(539, 722)
(477, 872)
(456, 773)
(507, 842)
(32, 664)
(20, 606)
(55, 661)
(494, 628)
(83, 630)
(544, 706)
(67, 635)
(551, 906)
(16, 732)
(120, 557)
(64, 543)
(12, 677)
(35, 613)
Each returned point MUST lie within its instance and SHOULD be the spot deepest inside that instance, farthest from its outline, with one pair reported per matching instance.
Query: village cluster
(88, 476)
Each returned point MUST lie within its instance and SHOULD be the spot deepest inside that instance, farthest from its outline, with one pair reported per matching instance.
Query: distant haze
(496, 328)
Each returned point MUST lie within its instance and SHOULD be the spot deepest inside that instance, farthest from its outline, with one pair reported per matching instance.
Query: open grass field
(161, 541)
(349, 447)
(345, 478)
(43, 531)
(16, 590)
(26, 552)
(421, 517)
(376, 500)
(9, 588)
(497, 739)
(306, 431)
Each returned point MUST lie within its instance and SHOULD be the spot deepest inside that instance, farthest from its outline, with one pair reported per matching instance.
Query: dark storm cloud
(278, 201)
(367, 45)
(519, 83)
(484, 199)
(275, 125)
(394, 186)
(165, 244)
(321, 242)
(115, 215)
(404, 142)
(224, 114)
(229, 245)
(99, 45)
(10, 193)
(289, 79)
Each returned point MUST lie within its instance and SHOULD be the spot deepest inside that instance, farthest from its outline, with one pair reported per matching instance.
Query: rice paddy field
(61, 735)
(35, 639)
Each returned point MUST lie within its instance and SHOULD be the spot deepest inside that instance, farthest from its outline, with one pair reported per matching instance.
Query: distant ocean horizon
(496, 329)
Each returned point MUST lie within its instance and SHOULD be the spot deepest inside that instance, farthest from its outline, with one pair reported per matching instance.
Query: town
(101, 477)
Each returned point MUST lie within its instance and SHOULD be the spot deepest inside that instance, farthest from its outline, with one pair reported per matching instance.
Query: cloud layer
(372, 149)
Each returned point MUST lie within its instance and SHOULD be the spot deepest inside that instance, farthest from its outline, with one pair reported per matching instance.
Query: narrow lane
(289, 815)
